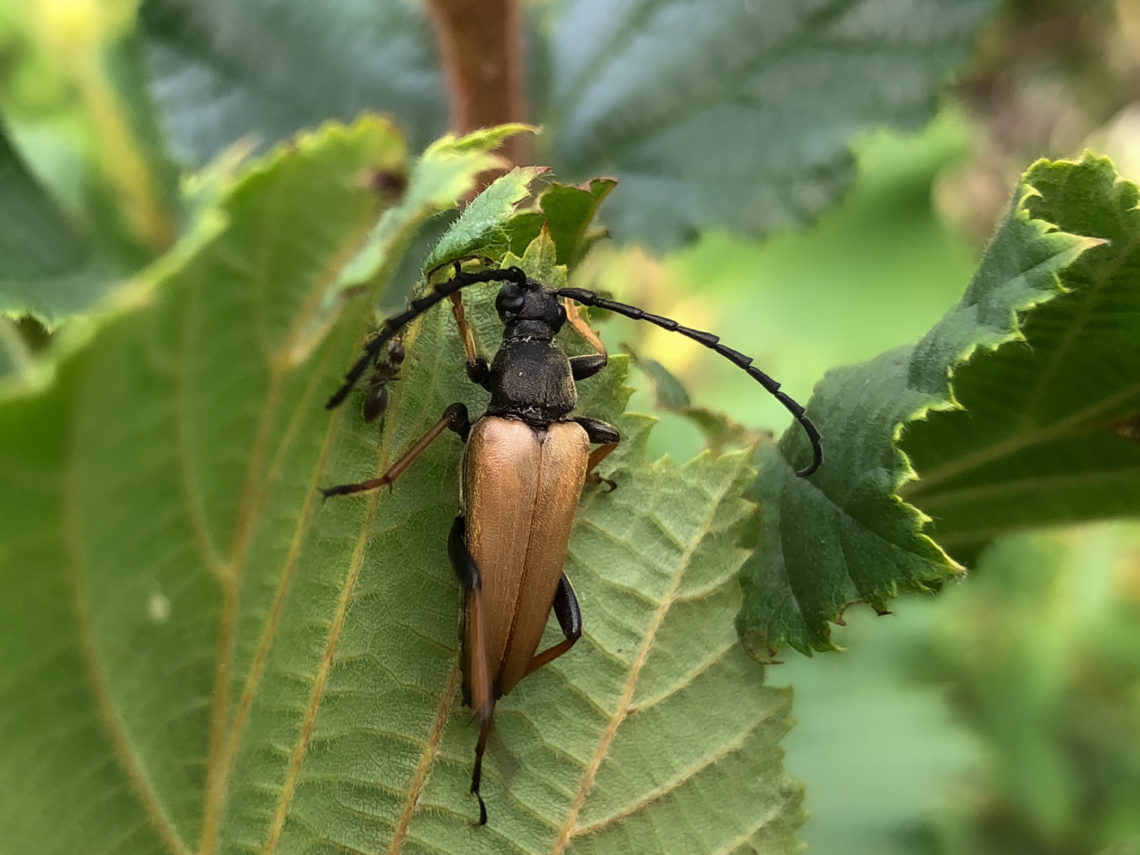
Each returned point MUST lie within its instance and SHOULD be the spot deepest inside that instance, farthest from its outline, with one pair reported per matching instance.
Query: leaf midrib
(1066, 428)
(435, 735)
(226, 734)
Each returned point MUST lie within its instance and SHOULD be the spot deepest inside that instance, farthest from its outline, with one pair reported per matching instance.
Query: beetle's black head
(527, 310)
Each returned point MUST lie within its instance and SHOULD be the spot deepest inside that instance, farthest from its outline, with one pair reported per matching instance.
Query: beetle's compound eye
(510, 299)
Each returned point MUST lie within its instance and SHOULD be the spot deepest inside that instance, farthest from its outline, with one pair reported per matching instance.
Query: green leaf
(446, 172)
(1045, 428)
(845, 535)
(137, 187)
(131, 209)
(639, 91)
(132, 505)
(540, 261)
(481, 230)
(735, 114)
(222, 71)
(567, 212)
(204, 657)
(49, 269)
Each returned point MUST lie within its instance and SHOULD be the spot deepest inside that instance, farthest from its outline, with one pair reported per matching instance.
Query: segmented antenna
(417, 307)
(712, 342)
(461, 279)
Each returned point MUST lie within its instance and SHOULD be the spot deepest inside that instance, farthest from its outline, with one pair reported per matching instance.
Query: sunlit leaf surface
(204, 657)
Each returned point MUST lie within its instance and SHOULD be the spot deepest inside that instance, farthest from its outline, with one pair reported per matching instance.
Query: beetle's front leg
(478, 370)
(582, 367)
(608, 437)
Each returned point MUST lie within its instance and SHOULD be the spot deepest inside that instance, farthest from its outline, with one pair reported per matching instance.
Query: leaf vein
(125, 752)
(569, 829)
(426, 757)
(211, 557)
(664, 789)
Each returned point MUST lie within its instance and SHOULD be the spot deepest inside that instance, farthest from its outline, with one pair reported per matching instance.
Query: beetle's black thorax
(531, 380)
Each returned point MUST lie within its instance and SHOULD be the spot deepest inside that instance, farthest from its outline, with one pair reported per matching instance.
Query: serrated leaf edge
(1080, 245)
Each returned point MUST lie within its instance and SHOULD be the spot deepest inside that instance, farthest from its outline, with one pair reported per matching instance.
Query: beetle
(526, 462)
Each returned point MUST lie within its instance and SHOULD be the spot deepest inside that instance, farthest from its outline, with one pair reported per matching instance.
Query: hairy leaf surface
(204, 657)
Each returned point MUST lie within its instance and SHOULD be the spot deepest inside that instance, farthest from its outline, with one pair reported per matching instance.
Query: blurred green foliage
(875, 272)
(1042, 654)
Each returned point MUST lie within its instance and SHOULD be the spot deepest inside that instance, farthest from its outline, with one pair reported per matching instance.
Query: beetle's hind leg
(569, 621)
(608, 437)
(478, 688)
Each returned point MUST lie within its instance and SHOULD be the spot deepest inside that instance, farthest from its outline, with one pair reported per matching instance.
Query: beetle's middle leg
(454, 418)
(608, 438)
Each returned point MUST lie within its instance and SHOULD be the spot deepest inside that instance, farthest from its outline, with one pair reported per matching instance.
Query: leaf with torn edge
(846, 535)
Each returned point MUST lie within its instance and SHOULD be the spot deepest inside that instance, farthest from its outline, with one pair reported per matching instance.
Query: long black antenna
(712, 342)
(417, 307)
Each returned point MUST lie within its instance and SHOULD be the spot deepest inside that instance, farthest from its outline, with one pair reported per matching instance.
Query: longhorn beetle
(526, 462)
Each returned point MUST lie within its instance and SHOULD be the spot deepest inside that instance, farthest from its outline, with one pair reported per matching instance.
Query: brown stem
(480, 46)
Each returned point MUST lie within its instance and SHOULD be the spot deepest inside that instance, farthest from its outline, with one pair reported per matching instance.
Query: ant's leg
(392, 326)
